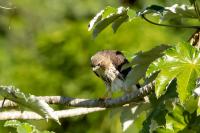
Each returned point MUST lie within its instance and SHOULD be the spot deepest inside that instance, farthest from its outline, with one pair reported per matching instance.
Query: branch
(28, 115)
(106, 103)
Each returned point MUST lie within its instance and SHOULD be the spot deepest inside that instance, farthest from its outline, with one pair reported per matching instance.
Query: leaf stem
(173, 26)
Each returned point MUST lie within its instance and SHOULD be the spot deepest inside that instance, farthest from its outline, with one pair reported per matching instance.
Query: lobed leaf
(181, 62)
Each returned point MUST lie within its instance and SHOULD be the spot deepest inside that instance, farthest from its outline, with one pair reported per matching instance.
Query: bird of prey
(108, 65)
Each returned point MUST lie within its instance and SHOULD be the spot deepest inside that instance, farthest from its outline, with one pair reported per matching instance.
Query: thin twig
(173, 26)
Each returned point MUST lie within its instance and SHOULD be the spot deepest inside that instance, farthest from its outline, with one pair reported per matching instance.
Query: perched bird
(108, 65)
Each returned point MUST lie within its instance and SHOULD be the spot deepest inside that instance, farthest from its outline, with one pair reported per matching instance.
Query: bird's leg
(107, 95)
(133, 88)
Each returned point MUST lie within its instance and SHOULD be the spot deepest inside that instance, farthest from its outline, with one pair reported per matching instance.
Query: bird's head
(100, 64)
(108, 64)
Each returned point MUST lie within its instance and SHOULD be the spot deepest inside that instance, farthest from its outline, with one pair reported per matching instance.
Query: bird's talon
(104, 98)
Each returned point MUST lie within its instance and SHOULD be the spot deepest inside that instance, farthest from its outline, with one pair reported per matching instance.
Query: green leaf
(198, 111)
(25, 128)
(95, 20)
(181, 62)
(135, 75)
(103, 23)
(149, 56)
(101, 15)
(162, 82)
(140, 63)
(12, 123)
(151, 9)
(116, 24)
(130, 114)
(109, 10)
(186, 83)
(156, 118)
(175, 120)
(107, 16)
(131, 14)
(191, 104)
(21, 127)
(28, 101)
(166, 13)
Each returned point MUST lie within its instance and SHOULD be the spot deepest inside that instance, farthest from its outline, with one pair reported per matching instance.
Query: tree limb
(107, 103)
(28, 115)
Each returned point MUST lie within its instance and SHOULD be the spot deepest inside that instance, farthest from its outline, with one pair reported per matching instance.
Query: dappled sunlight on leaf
(182, 63)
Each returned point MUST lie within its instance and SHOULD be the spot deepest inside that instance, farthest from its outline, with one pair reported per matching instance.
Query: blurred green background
(45, 49)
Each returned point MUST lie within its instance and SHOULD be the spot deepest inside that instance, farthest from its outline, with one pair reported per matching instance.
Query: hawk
(108, 65)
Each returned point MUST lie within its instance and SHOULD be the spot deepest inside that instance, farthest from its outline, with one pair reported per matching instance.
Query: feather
(107, 65)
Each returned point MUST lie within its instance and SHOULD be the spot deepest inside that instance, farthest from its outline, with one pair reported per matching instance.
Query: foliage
(141, 61)
(175, 70)
(45, 43)
(98, 23)
(167, 13)
(23, 127)
(182, 63)
(101, 20)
